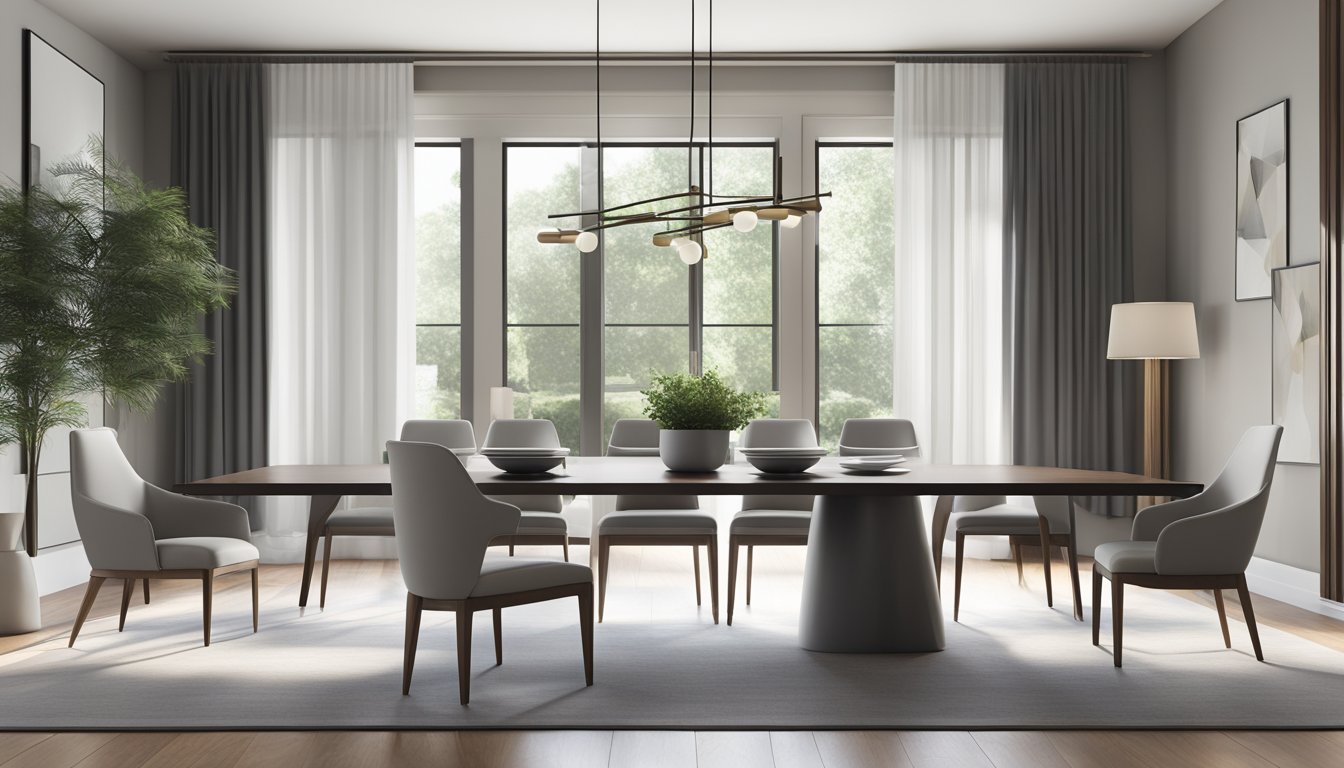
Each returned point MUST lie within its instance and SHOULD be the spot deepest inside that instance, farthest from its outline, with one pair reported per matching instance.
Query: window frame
(464, 306)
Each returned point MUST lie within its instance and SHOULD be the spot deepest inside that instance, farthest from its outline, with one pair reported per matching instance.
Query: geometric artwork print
(1262, 200)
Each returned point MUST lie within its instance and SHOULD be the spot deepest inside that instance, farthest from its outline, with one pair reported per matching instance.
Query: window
(541, 287)
(657, 314)
(855, 285)
(438, 281)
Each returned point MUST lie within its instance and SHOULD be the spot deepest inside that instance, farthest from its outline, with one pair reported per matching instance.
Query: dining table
(869, 584)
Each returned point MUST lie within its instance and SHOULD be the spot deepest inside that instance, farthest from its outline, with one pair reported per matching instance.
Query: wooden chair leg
(510, 555)
(586, 632)
(256, 599)
(1045, 561)
(1117, 616)
(1248, 613)
(414, 605)
(732, 576)
(713, 558)
(564, 543)
(146, 591)
(1016, 545)
(1222, 617)
(127, 589)
(464, 655)
(942, 512)
(1096, 606)
(499, 636)
(1072, 551)
(695, 558)
(326, 566)
(603, 558)
(956, 588)
(207, 600)
(90, 594)
(751, 550)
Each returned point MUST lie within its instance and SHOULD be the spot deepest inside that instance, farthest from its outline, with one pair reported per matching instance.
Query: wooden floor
(654, 749)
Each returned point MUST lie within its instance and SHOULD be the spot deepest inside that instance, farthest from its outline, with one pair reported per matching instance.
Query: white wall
(1242, 56)
(124, 103)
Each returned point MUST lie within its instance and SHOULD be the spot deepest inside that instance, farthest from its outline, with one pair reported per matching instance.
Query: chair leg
(1096, 606)
(326, 566)
(90, 594)
(1072, 551)
(256, 599)
(695, 557)
(956, 588)
(1117, 616)
(603, 558)
(463, 655)
(1045, 561)
(127, 589)
(207, 600)
(751, 550)
(732, 576)
(499, 636)
(1248, 613)
(146, 591)
(510, 555)
(564, 543)
(713, 558)
(1016, 544)
(414, 604)
(586, 632)
(942, 512)
(1222, 617)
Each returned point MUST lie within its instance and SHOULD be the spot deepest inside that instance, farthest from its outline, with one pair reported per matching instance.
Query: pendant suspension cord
(690, 138)
(709, 171)
(597, 92)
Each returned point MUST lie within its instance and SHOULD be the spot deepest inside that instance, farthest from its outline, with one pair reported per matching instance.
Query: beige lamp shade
(1153, 330)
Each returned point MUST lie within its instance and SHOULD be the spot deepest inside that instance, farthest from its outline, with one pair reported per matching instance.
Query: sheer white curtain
(342, 231)
(948, 357)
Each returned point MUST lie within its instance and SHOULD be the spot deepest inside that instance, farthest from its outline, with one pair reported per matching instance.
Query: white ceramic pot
(693, 450)
(20, 611)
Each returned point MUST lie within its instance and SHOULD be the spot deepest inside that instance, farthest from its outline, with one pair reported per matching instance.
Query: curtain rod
(553, 57)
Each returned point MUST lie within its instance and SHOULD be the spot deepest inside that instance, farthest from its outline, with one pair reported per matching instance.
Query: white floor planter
(20, 611)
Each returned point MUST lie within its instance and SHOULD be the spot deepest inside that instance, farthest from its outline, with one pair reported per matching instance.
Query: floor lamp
(1154, 332)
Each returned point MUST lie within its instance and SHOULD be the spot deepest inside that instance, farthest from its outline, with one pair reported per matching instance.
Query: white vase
(693, 450)
(20, 610)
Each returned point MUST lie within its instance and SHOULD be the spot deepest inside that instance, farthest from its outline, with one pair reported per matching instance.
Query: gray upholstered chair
(444, 526)
(454, 434)
(643, 521)
(1203, 542)
(542, 521)
(1050, 524)
(133, 530)
(769, 520)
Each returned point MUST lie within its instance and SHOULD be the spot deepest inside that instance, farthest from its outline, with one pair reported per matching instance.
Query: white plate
(883, 460)
(855, 451)
(496, 451)
(874, 469)
(784, 451)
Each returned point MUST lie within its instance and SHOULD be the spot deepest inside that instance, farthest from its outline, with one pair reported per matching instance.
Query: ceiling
(142, 29)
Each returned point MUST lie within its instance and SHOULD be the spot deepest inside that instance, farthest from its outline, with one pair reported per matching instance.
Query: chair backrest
(443, 522)
(633, 437)
(896, 436)
(1055, 509)
(525, 433)
(521, 433)
(450, 433)
(778, 433)
(1248, 469)
(100, 471)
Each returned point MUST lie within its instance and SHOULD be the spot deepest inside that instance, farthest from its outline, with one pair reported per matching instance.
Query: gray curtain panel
(219, 155)
(1067, 252)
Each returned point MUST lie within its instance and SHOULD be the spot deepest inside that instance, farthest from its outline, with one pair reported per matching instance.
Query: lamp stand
(1156, 425)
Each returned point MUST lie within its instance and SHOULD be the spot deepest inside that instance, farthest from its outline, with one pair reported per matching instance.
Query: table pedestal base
(869, 586)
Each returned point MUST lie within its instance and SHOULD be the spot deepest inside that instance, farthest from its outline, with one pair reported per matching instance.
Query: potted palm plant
(695, 415)
(103, 282)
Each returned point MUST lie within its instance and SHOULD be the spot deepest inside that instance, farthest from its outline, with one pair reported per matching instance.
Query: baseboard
(1294, 586)
(60, 568)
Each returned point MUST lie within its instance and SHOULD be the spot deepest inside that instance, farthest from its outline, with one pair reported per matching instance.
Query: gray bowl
(526, 465)
(782, 464)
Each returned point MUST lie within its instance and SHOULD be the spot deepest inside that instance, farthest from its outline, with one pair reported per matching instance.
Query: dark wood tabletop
(635, 476)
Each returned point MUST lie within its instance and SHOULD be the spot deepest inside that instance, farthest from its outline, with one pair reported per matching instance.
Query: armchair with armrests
(133, 530)
(1203, 542)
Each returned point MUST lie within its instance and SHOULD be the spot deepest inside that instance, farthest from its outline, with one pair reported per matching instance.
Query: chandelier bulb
(791, 221)
(689, 252)
(745, 221)
(586, 242)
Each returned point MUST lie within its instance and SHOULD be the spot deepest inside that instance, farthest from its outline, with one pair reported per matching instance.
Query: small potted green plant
(695, 415)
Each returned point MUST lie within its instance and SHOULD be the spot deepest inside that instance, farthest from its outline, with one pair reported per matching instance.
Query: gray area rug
(660, 663)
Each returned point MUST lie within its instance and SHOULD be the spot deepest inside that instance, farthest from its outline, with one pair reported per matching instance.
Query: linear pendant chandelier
(686, 216)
